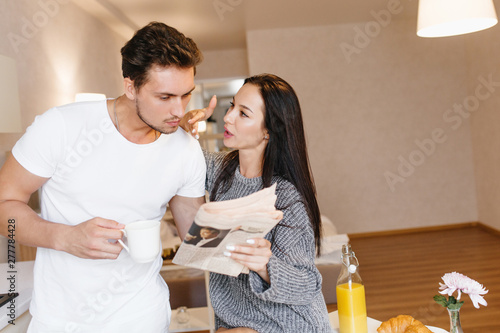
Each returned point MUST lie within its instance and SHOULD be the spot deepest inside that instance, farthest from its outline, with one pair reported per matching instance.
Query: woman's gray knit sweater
(293, 302)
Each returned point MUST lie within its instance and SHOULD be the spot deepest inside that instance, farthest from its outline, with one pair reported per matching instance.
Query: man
(207, 237)
(102, 165)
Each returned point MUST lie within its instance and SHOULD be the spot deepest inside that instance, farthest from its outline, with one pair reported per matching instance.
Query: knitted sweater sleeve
(213, 161)
(294, 278)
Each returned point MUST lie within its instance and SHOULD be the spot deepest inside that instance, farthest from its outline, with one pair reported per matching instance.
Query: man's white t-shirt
(94, 171)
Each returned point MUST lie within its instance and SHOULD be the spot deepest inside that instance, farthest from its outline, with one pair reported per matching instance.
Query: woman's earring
(266, 137)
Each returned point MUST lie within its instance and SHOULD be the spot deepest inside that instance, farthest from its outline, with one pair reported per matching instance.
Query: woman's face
(244, 121)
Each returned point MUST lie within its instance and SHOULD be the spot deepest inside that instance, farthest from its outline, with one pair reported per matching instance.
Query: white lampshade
(10, 110)
(441, 18)
(85, 97)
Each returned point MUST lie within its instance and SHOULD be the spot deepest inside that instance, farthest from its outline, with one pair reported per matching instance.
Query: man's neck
(123, 114)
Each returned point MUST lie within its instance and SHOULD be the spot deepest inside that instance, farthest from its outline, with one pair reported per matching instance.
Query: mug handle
(121, 242)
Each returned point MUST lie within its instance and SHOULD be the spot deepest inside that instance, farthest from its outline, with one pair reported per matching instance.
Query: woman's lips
(227, 134)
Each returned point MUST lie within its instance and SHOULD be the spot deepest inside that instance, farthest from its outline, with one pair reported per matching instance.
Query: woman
(282, 293)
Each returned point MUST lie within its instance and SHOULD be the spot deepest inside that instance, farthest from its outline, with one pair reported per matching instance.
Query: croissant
(403, 324)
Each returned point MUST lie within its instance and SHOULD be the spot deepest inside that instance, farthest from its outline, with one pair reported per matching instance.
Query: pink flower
(462, 284)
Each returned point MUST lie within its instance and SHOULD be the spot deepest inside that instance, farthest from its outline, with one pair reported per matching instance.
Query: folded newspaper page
(222, 223)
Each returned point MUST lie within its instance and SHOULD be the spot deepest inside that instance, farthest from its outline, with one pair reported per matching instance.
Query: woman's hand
(254, 255)
(189, 122)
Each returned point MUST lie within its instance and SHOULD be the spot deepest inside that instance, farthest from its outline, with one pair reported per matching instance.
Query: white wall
(223, 64)
(364, 117)
(483, 54)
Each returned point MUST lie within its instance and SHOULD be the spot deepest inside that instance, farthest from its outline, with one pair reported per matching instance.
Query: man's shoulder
(183, 139)
(80, 113)
(60, 117)
(186, 149)
(81, 108)
(181, 134)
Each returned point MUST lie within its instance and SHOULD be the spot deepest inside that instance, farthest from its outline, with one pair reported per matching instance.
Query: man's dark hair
(157, 44)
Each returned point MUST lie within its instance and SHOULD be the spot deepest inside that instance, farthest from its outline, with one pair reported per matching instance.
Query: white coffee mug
(143, 239)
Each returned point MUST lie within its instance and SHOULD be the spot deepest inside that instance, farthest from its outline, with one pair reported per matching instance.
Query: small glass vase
(182, 315)
(455, 326)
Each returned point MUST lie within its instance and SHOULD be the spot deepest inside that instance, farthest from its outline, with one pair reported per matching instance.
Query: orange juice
(351, 308)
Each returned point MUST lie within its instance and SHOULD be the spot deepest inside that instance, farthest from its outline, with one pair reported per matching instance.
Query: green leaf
(452, 300)
(441, 300)
(456, 305)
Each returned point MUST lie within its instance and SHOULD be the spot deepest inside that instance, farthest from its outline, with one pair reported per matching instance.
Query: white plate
(372, 324)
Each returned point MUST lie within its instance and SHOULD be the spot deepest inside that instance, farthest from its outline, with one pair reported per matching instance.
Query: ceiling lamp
(441, 18)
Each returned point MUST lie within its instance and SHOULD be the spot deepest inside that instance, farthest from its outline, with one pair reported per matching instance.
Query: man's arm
(184, 210)
(85, 240)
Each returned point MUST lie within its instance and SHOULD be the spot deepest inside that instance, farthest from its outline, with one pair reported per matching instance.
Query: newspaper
(222, 223)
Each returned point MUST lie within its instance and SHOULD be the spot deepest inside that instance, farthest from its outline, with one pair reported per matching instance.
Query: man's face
(208, 233)
(162, 100)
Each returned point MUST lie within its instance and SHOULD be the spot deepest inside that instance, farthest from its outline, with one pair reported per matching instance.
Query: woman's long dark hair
(286, 152)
